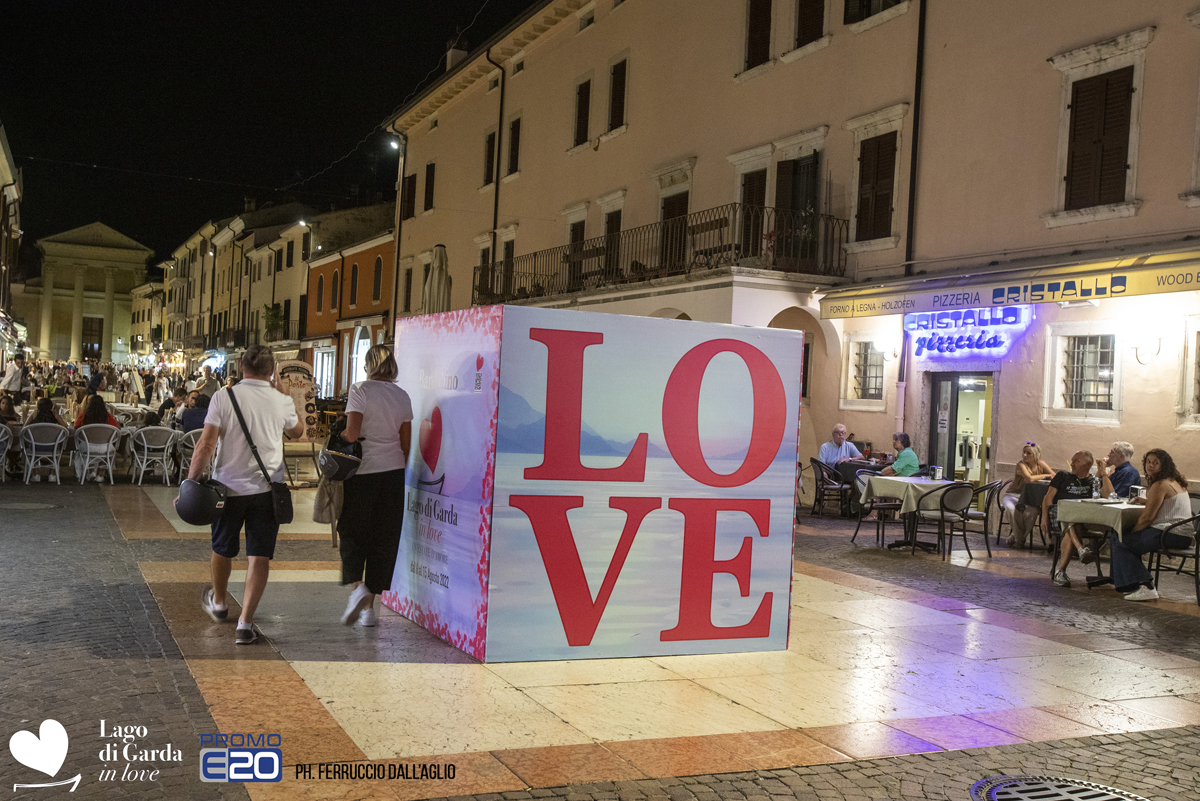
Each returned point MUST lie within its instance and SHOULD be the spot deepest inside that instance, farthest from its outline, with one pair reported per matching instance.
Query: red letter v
(548, 515)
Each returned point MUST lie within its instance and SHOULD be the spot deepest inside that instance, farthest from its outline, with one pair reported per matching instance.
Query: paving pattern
(906, 677)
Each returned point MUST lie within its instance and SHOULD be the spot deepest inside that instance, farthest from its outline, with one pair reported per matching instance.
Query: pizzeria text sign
(1042, 289)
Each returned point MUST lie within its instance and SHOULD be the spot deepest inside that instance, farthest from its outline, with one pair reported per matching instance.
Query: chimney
(456, 51)
(249, 204)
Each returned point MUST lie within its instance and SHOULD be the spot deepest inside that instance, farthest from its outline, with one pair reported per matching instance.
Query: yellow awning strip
(1140, 275)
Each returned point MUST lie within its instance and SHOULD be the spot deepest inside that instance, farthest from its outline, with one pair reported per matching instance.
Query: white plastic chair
(187, 447)
(6, 441)
(151, 446)
(42, 445)
(96, 447)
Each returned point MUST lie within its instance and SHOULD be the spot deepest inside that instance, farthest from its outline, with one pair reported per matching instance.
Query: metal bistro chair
(1189, 527)
(152, 446)
(6, 441)
(953, 501)
(96, 448)
(187, 448)
(829, 487)
(879, 506)
(991, 498)
(1002, 511)
(42, 445)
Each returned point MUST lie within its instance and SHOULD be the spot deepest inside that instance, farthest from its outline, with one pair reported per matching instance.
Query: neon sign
(967, 332)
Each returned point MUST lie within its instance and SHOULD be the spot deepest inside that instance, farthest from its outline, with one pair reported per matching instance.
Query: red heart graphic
(479, 362)
(431, 438)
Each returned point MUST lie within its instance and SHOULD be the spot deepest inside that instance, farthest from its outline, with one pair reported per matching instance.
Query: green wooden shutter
(583, 102)
(758, 33)
(1098, 141)
(616, 100)
(810, 21)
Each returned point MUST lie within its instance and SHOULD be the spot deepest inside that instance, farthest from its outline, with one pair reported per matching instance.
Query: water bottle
(1096, 487)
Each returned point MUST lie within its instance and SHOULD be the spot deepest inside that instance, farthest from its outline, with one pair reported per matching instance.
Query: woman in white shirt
(379, 414)
(1167, 503)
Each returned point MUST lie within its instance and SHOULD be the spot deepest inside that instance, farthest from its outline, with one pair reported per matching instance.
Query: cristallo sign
(967, 332)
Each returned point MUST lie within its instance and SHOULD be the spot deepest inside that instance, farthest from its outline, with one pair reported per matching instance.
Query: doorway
(960, 426)
(93, 332)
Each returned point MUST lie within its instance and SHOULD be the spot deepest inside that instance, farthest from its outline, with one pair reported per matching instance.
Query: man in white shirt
(209, 385)
(14, 381)
(839, 450)
(270, 415)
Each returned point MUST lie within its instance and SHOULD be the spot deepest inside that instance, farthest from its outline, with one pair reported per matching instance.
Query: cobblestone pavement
(82, 640)
(1159, 765)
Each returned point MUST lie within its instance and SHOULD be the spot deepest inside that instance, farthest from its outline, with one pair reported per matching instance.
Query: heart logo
(479, 362)
(431, 438)
(44, 753)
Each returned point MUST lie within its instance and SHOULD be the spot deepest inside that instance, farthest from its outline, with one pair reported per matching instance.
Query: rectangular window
(291, 251)
(514, 146)
(876, 180)
(758, 33)
(868, 371)
(1098, 144)
(616, 96)
(754, 199)
(305, 245)
(408, 290)
(518, 67)
(810, 21)
(408, 197)
(583, 103)
(489, 158)
(858, 10)
(429, 175)
(1088, 372)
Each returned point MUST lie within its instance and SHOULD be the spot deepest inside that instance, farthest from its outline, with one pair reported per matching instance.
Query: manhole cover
(28, 507)
(1045, 788)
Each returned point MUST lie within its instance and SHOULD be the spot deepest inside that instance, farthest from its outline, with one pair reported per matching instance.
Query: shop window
(862, 382)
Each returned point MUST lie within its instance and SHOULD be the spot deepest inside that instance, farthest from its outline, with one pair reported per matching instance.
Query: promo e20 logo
(241, 758)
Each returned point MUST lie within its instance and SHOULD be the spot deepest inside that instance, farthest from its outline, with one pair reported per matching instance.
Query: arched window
(377, 287)
(320, 290)
(333, 292)
(354, 284)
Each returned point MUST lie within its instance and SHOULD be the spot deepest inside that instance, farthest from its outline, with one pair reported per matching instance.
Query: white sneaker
(368, 617)
(1143, 593)
(358, 602)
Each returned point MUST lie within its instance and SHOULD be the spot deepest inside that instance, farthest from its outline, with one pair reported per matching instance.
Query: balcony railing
(282, 332)
(233, 338)
(194, 342)
(764, 238)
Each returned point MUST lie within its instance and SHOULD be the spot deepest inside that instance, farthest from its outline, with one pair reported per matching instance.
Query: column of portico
(110, 285)
(77, 315)
(47, 310)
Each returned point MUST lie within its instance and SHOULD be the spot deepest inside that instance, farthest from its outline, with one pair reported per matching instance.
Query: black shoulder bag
(281, 496)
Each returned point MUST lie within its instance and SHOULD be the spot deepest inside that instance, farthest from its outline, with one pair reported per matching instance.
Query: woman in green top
(906, 460)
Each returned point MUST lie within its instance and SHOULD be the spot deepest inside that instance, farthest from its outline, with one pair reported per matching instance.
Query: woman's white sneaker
(1143, 593)
(368, 617)
(359, 600)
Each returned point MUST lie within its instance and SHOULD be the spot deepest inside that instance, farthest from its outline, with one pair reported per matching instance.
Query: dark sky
(254, 93)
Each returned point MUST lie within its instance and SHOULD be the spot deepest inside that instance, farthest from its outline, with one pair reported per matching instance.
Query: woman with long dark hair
(46, 413)
(96, 413)
(380, 412)
(1167, 503)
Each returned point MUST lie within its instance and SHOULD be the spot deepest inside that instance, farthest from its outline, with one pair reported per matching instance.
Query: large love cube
(587, 485)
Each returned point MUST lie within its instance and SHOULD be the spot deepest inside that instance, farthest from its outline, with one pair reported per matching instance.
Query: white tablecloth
(1120, 517)
(908, 490)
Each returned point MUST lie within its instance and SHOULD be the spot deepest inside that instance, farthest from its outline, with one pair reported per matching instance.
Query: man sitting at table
(1124, 475)
(839, 449)
(906, 463)
(1075, 486)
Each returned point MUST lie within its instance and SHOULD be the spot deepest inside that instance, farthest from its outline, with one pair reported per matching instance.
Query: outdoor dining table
(909, 491)
(1120, 517)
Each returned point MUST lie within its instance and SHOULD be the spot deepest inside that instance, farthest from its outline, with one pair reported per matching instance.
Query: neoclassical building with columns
(80, 306)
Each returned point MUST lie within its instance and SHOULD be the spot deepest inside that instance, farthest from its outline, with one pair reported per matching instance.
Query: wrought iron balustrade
(766, 238)
(282, 332)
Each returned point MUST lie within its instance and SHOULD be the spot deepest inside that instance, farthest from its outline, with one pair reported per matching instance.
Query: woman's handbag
(281, 496)
(340, 460)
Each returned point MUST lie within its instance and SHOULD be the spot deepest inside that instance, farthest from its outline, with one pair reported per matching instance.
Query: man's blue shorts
(257, 512)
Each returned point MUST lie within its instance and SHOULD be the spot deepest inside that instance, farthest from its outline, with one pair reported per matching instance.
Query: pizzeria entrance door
(960, 426)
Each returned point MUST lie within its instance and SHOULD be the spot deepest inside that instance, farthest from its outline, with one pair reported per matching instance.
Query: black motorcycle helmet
(200, 503)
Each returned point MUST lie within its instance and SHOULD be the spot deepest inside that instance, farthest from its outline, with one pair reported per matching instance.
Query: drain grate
(1045, 788)
(29, 507)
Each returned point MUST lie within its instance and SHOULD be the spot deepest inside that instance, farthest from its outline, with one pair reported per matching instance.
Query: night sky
(249, 96)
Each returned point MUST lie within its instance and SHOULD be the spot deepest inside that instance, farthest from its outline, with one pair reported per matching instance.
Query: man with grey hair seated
(1124, 475)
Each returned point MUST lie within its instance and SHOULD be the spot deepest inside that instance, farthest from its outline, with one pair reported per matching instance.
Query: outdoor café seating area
(926, 513)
